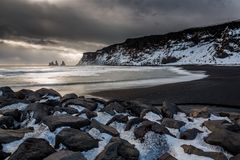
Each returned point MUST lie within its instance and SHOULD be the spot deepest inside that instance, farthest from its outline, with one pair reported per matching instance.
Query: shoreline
(221, 87)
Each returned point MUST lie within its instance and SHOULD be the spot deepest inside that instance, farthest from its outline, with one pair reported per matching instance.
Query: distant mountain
(219, 44)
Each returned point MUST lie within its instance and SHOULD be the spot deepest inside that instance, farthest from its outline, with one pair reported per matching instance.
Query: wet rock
(152, 109)
(68, 97)
(28, 95)
(15, 113)
(68, 110)
(8, 135)
(119, 119)
(237, 157)
(146, 126)
(132, 122)
(89, 114)
(114, 107)
(214, 125)
(54, 122)
(32, 148)
(48, 92)
(76, 140)
(167, 156)
(169, 109)
(81, 102)
(4, 155)
(201, 112)
(6, 122)
(189, 149)
(118, 149)
(40, 111)
(230, 141)
(190, 134)
(135, 107)
(103, 128)
(7, 92)
(172, 123)
(66, 155)
(98, 100)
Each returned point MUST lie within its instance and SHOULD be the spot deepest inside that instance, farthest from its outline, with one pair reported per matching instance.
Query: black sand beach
(221, 87)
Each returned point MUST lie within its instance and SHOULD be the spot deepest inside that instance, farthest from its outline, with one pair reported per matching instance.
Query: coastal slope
(217, 44)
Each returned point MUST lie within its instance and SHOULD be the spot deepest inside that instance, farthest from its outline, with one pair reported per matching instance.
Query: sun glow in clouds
(71, 54)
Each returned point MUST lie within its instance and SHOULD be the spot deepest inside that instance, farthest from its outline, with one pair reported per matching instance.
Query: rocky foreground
(43, 124)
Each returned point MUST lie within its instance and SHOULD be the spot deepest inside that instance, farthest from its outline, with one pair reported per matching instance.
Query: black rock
(118, 118)
(89, 114)
(48, 92)
(201, 112)
(7, 135)
(54, 122)
(68, 110)
(114, 107)
(172, 123)
(7, 92)
(4, 155)
(6, 122)
(65, 155)
(132, 122)
(118, 149)
(75, 140)
(104, 128)
(189, 149)
(90, 105)
(169, 109)
(68, 96)
(15, 113)
(230, 141)
(189, 134)
(40, 111)
(167, 156)
(32, 148)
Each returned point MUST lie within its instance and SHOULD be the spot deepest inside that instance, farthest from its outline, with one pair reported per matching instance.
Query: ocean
(86, 79)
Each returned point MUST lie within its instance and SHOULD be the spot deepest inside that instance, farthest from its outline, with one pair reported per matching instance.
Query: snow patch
(19, 106)
(153, 117)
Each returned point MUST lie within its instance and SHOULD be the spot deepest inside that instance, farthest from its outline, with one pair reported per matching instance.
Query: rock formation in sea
(43, 124)
(217, 44)
(63, 63)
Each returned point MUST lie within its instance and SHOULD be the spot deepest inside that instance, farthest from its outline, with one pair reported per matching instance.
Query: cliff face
(218, 44)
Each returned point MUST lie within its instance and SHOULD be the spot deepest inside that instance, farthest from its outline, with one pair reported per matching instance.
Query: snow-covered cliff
(218, 44)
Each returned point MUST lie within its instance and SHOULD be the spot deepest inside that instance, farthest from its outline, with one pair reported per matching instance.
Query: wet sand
(221, 87)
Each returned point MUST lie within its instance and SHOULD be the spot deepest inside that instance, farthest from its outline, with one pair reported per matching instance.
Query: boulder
(47, 92)
(65, 155)
(67, 97)
(146, 126)
(167, 156)
(118, 149)
(104, 128)
(75, 140)
(15, 113)
(189, 149)
(4, 155)
(7, 135)
(135, 107)
(172, 123)
(237, 157)
(190, 134)
(229, 140)
(54, 122)
(81, 102)
(89, 114)
(152, 109)
(118, 118)
(6, 122)
(214, 125)
(40, 111)
(132, 122)
(169, 109)
(7, 92)
(28, 95)
(32, 148)
(114, 107)
(200, 112)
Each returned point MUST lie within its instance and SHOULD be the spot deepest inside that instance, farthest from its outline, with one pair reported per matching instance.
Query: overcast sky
(77, 26)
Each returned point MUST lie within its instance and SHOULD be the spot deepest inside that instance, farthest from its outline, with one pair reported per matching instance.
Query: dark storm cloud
(111, 21)
(87, 25)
